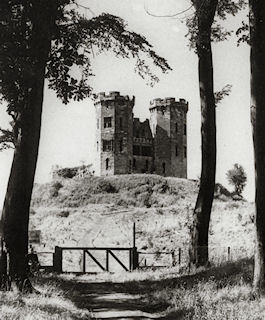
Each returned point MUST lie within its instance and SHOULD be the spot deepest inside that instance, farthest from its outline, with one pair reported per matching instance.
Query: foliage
(237, 177)
(218, 33)
(6, 139)
(220, 95)
(55, 187)
(75, 41)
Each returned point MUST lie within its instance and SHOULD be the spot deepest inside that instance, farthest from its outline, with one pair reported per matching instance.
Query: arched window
(121, 145)
(177, 150)
(97, 145)
(164, 167)
(107, 163)
(185, 129)
(176, 127)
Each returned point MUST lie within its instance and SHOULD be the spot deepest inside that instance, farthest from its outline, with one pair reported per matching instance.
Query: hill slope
(97, 211)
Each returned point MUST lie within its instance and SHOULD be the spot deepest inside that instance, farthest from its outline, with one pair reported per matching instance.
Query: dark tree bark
(257, 62)
(205, 11)
(15, 216)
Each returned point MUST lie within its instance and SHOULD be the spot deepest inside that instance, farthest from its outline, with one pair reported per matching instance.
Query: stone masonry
(125, 145)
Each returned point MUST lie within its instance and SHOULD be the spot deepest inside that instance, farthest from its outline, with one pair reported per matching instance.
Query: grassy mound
(100, 211)
(126, 190)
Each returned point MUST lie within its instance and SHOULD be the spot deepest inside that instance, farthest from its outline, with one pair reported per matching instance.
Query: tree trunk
(257, 61)
(15, 216)
(202, 211)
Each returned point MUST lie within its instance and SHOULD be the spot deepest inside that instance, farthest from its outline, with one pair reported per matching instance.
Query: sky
(68, 132)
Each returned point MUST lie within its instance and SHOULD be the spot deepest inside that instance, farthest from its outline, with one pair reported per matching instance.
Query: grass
(100, 211)
(222, 292)
(51, 303)
(97, 211)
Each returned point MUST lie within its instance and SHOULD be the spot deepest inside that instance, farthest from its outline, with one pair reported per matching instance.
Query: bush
(66, 172)
(63, 214)
(55, 187)
(105, 186)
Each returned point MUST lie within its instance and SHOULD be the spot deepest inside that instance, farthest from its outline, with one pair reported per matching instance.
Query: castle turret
(168, 124)
(114, 132)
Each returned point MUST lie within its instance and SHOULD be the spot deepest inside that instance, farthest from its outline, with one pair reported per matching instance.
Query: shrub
(63, 214)
(55, 187)
(66, 172)
(106, 186)
(237, 177)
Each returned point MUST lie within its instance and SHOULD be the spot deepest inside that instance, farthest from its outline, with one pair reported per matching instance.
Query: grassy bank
(50, 303)
(100, 211)
(222, 292)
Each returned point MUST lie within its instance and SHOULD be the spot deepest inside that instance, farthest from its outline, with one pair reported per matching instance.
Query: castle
(125, 145)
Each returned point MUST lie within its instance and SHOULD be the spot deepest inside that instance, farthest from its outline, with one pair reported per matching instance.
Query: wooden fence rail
(132, 263)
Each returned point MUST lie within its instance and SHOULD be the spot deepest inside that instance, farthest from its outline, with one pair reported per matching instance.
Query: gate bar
(95, 260)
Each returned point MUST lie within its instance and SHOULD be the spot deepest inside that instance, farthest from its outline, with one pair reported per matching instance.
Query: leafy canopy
(237, 177)
(75, 40)
(218, 32)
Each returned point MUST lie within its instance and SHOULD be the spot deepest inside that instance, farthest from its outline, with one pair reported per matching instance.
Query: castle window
(121, 124)
(107, 122)
(146, 165)
(97, 123)
(97, 145)
(107, 145)
(185, 152)
(121, 145)
(146, 151)
(176, 127)
(177, 151)
(136, 150)
(164, 168)
(134, 163)
(107, 163)
(185, 129)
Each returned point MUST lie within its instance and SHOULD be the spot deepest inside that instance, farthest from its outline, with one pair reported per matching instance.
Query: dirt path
(112, 300)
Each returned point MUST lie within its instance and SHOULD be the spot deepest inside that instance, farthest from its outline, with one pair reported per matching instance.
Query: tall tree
(203, 29)
(257, 65)
(237, 177)
(47, 39)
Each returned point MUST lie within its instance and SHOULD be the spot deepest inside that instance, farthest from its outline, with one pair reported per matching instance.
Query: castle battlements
(168, 102)
(112, 96)
(124, 144)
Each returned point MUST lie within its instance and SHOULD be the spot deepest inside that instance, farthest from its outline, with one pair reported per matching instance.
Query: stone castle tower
(169, 128)
(114, 130)
(125, 145)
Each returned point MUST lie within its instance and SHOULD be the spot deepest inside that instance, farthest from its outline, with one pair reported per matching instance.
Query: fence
(129, 258)
(89, 252)
(181, 256)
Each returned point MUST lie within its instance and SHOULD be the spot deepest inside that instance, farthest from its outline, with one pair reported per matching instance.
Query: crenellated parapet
(168, 102)
(114, 96)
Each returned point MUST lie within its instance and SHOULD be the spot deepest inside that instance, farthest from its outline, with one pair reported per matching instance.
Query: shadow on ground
(129, 300)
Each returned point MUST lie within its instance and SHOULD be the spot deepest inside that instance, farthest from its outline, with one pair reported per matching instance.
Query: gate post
(135, 258)
(58, 260)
